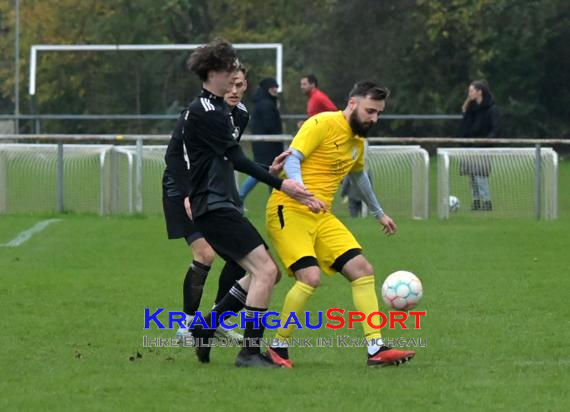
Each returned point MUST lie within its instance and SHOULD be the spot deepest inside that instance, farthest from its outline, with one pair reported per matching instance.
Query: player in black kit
(180, 226)
(214, 152)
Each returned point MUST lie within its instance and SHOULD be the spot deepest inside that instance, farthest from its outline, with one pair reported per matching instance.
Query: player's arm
(247, 166)
(218, 136)
(361, 182)
(278, 163)
(292, 166)
(309, 137)
(220, 140)
(287, 186)
(174, 157)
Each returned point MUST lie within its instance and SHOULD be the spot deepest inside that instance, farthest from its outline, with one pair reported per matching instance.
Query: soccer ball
(453, 204)
(402, 290)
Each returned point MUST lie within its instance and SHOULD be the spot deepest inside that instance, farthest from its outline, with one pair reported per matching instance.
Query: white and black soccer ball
(402, 290)
(453, 204)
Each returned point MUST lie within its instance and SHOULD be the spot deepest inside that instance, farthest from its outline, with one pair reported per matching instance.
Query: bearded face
(365, 115)
(359, 127)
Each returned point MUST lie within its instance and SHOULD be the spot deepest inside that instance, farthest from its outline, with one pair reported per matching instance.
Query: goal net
(502, 182)
(400, 178)
(125, 179)
(131, 192)
(32, 180)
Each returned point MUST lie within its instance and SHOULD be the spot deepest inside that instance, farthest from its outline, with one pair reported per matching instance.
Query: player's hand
(187, 207)
(388, 225)
(278, 163)
(295, 190)
(315, 205)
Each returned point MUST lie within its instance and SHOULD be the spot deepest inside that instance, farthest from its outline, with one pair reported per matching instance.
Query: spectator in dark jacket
(265, 119)
(481, 118)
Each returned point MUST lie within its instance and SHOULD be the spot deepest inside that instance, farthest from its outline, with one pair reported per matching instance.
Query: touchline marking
(27, 234)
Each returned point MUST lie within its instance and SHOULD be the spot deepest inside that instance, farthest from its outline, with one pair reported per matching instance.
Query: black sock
(231, 273)
(283, 352)
(233, 301)
(194, 286)
(253, 332)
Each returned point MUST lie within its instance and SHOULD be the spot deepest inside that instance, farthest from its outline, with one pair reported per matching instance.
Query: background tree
(425, 51)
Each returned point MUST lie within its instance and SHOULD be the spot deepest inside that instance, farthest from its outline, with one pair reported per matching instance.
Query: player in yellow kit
(328, 147)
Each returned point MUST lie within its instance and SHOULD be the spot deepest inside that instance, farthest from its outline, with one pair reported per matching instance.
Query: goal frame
(545, 179)
(37, 48)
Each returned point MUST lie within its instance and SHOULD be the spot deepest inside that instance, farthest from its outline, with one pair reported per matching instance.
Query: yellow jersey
(331, 151)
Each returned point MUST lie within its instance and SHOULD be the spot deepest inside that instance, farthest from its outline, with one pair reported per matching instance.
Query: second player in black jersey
(176, 212)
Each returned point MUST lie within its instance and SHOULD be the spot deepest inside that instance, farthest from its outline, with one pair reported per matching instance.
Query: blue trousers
(480, 187)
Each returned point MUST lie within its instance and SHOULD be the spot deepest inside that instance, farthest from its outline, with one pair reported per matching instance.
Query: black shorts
(178, 224)
(230, 234)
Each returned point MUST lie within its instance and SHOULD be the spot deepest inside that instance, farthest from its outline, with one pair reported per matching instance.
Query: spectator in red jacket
(318, 101)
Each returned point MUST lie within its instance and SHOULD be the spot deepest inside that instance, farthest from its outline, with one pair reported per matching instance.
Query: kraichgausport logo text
(332, 319)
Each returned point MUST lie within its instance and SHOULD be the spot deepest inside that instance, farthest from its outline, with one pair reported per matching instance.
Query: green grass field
(72, 300)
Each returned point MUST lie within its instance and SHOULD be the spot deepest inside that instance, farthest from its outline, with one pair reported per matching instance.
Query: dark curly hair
(218, 55)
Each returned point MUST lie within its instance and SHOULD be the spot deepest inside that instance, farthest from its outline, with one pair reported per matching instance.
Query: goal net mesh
(400, 179)
(511, 178)
(28, 177)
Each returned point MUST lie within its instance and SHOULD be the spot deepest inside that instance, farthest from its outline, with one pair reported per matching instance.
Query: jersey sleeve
(214, 130)
(310, 136)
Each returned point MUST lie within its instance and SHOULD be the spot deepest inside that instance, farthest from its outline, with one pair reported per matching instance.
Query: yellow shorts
(296, 234)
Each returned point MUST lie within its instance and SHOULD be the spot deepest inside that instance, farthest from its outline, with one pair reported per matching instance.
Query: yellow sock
(366, 301)
(295, 301)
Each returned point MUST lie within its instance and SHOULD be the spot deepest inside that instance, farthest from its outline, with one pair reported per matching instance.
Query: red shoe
(277, 359)
(387, 356)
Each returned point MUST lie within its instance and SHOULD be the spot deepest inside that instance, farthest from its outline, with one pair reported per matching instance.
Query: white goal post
(522, 182)
(136, 184)
(36, 48)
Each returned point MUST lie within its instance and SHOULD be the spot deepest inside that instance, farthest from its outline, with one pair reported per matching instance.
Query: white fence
(126, 179)
(115, 178)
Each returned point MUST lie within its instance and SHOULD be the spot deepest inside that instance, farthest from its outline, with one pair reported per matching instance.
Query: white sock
(374, 345)
(188, 320)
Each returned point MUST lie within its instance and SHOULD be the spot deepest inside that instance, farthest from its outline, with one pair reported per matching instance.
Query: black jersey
(209, 132)
(176, 179)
